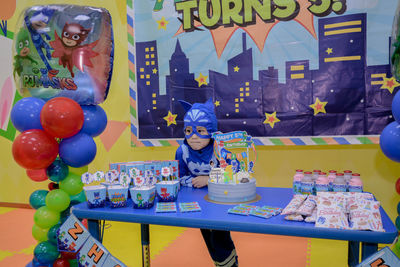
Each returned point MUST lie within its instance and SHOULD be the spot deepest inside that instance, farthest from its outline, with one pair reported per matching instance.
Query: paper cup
(96, 195)
(107, 184)
(167, 191)
(143, 197)
(117, 195)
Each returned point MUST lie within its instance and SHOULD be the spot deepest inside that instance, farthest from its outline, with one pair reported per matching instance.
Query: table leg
(94, 228)
(368, 249)
(145, 245)
(353, 253)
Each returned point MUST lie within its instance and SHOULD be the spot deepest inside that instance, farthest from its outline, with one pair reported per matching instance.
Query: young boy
(195, 156)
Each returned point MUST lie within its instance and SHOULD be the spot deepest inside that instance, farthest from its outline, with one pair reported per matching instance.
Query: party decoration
(53, 186)
(52, 233)
(38, 198)
(59, 54)
(396, 107)
(57, 200)
(45, 252)
(61, 262)
(72, 184)
(390, 141)
(78, 150)
(95, 120)
(46, 218)
(34, 149)
(87, 178)
(78, 171)
(397, 222)
(93, 253)
(383, 257)
(40, 234)
(37, 175)
(98, 176)
(57, 171)
(62, 117)
(398, 186)
(25, 115)
(72, 235)
(78, 198)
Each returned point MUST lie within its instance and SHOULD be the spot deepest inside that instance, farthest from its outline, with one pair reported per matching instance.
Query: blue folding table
(215, 216)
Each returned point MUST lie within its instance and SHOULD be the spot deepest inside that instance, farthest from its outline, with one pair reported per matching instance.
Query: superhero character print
(68, 48)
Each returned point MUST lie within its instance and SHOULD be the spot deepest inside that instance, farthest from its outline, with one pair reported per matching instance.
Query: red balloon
(62, 117)
(68, 255)
(52, 186)
(61, 262)
(398, 186)
(85, 223)
(34, 149)
(37, 175)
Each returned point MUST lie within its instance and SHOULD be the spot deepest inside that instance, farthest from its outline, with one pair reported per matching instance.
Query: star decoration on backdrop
(162, 23)
(236, 69)
(258, 31)
(271, 119)
(154, 71)
(318, 106)
(202, 79)
(329, 50)
(217, 103)
(170, 118)
(389, 84)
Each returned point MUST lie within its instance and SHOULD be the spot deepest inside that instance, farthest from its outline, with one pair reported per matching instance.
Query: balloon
(390, 141)
(398, 223)
(68, 255)
(95, 120)
(46, 218)
(45, 252)
(398, 208)
(72, 184)
(40, 234)
(78, 150)
(57, 171)
(52, 233)
(57, 200)
(61, 262)
(37, 175)
(38, 198)
(25, 115)
(398, 186)
(53, 186)
(79, 171)
(61, 117)
(78, 198)
(396, 107)
(80, 70)
(34, 149)
(73, 263)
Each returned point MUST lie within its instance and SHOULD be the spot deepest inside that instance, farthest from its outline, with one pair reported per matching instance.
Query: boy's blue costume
(193, 163)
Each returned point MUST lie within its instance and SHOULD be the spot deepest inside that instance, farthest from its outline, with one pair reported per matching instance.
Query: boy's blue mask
(199, 115)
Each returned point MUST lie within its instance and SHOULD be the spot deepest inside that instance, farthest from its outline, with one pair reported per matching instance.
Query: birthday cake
(232, 182)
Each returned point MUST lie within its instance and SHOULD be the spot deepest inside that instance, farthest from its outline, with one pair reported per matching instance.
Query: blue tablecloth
(215, 216)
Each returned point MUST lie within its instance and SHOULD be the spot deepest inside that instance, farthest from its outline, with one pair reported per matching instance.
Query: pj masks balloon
(64, 51)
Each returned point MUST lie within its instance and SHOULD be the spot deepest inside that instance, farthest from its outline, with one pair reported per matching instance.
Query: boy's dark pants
(221, 247)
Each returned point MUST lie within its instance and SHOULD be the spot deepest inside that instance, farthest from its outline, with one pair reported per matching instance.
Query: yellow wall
(275, 165)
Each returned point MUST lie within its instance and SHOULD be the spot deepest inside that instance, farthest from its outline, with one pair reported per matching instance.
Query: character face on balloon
(74, 34)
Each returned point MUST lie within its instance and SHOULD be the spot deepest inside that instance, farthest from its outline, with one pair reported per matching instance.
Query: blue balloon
(78, 150)
(57, 171)
(390, 141)
(95, 120)
(25, 114)
(396, 107)
(38, 199)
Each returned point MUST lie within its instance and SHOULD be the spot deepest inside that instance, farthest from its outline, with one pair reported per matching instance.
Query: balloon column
(63, 58)
(390, 136)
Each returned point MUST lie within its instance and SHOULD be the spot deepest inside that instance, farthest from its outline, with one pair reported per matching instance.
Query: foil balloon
(64, 50)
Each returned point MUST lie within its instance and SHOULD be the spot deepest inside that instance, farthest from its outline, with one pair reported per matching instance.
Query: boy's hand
(200, 181)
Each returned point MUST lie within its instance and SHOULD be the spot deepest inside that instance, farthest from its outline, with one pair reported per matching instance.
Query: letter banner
(384, 257)
(288, 72)
(93, 253)
(72, 235)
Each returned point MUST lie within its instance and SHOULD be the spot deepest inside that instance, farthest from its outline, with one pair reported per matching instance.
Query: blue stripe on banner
(132, 93)
(257, 142)
(133, 129)
(341, 140)
(297, 141)
(130, 21)
(147, 143)
(180, 142)
(131, 57)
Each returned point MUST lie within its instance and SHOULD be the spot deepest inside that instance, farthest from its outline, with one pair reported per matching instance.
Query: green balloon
(45, 217)
(396, 251)
(72, 184)
(79, 171)
(78, 198)
(45, 252)
(52, 234)
(40, 234)
(57, 200)
(73, 263)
